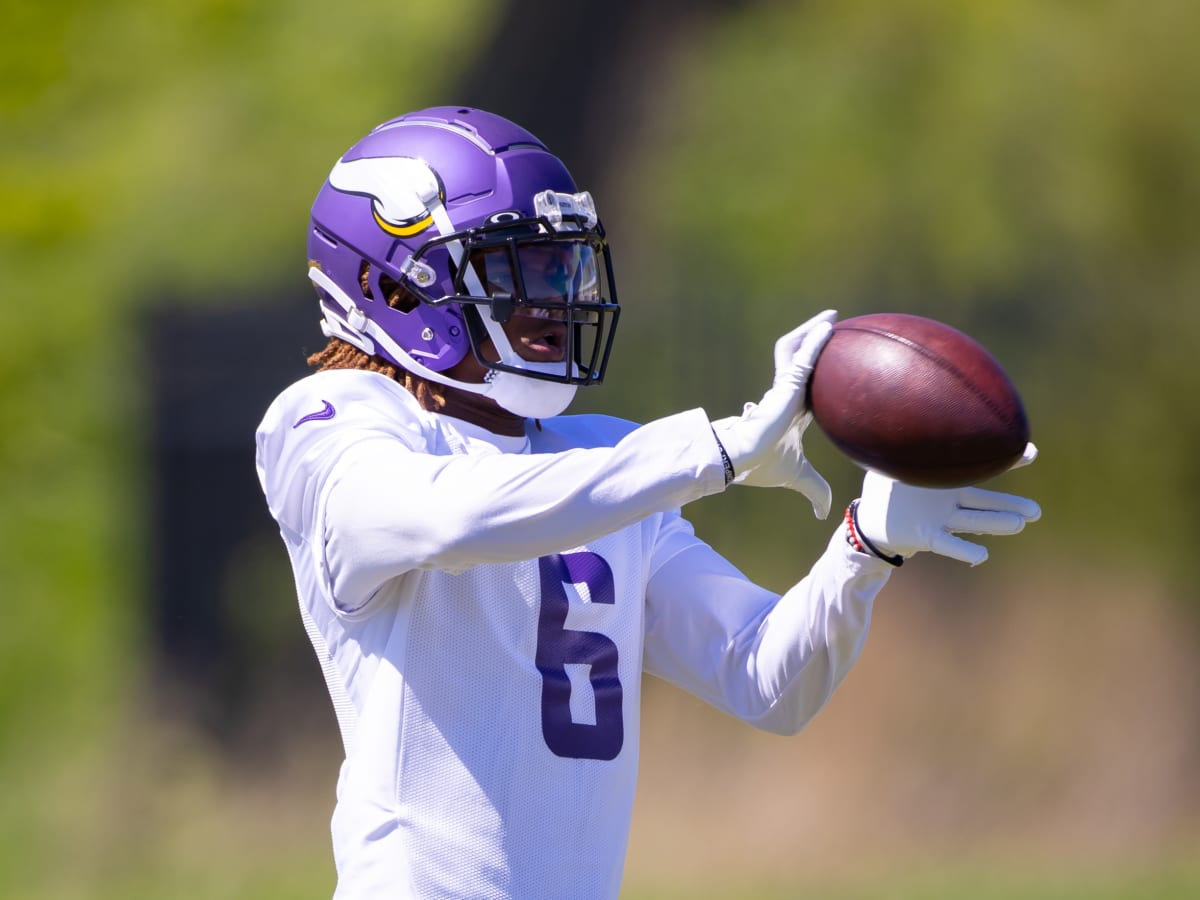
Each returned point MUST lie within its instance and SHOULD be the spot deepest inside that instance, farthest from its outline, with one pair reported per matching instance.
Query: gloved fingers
(795, 372)
(814, 486)
(985, 521)
(978, 498)
(1030, 454)
(946, 544)
(814, 342)
(788, 345)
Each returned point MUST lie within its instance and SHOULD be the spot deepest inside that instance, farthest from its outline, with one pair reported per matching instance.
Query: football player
(485, 580)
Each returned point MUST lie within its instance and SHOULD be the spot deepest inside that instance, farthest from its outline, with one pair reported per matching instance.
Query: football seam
(942, 362)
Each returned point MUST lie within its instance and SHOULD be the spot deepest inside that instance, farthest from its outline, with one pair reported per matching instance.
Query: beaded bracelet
(859, 541)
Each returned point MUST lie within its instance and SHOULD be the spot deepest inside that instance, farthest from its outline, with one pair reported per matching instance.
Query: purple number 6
(559, 646)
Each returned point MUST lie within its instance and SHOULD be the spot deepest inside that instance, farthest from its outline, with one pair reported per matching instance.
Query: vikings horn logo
(402, 190)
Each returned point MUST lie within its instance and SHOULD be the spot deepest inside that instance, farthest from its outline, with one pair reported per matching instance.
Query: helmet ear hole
(364, 279)
(398, 298)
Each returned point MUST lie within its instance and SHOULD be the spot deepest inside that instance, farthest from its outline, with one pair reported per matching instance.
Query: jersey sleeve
(392, 510)
(770, 660)
(366, 495)
(312, 424)
(301, 442)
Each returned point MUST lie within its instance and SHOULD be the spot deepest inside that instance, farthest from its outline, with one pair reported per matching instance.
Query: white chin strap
(530, 398)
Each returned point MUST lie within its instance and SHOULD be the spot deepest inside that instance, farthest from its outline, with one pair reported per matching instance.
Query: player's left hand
(764, 443)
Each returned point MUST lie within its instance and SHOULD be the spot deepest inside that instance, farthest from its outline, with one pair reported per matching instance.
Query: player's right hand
(764, 443)
(899, 519)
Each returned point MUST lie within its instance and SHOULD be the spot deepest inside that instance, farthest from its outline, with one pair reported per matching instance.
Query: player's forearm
(812, 637)
(454, 512)
(769, 660)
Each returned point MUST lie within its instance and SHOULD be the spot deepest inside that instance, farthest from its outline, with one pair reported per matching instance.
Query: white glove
(764, 442)
(899, 519)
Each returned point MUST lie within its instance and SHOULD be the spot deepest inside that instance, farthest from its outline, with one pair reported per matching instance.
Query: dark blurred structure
(204, 408)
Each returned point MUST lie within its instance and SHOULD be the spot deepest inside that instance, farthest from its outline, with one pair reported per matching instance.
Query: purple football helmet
(479, 223)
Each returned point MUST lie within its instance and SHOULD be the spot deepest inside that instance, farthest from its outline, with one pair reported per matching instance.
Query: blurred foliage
(952, 883)
(151, 151)
(1025, 171)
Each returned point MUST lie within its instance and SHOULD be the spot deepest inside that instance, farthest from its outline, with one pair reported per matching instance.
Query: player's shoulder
(587, 430)
(343, 398)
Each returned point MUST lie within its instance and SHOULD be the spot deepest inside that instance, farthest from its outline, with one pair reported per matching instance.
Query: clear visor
(542, 276)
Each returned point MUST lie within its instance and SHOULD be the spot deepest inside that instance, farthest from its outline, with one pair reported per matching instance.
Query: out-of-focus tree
(1025, 171)
(151, 152)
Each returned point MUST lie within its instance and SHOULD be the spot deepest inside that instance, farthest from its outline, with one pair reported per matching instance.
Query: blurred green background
(1028, 172)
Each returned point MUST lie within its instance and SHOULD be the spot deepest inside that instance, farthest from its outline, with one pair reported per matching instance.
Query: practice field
(1036, 775)
(174, 826)
(1180, 882)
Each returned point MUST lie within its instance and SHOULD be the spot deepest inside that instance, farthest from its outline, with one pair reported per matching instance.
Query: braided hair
(339, 354)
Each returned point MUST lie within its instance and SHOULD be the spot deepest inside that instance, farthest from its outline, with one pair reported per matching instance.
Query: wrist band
(859, 541)
(726, 461)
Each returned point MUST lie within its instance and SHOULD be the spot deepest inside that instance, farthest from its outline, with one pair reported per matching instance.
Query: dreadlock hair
(339, 354)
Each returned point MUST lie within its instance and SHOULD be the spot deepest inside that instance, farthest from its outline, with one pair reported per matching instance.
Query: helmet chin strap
(530, 398)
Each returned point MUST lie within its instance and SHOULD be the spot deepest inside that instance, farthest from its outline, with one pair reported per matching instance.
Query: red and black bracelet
(859, 541)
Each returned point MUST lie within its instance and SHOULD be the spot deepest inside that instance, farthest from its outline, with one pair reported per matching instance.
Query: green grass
(306, 873)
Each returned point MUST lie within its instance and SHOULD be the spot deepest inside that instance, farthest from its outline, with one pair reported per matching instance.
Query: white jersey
(483, 608)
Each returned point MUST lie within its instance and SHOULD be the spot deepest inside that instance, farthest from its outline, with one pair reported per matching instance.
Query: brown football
(917, 400)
